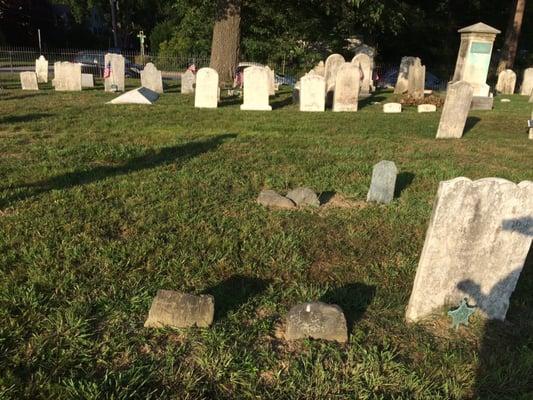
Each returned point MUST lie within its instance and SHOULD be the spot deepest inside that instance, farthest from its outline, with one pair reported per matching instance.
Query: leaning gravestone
(455, 112)
(256, 89)
(403, 74)
(140, 95)
(416, 80)
(331, 67)
(87, 80)
(311, 95)
(383, 182)
(527, 83)
(206, 92)
(151, 78)
(188, 79)
(28, 80)
(346, 97)
(115, 82)
(316, 321)
(41, 69)
(506, 82)
(366, 67)
(180, 310)
(476, 246)
(67, 76)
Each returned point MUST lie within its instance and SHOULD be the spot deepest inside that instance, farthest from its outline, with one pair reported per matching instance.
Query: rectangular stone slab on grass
(316, 321)
(383, 182)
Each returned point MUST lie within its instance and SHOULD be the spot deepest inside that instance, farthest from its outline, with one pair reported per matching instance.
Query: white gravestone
(346, 97)
(188, 79)
(256, 89)
(527, 83)
(427, 108)
(140, 95)
(320, 69)
(403, 74)
(28, 80)
(312, 89)
(41, 69)
(476, 246)
(366, 67)
(506, 82)
(151, 78)
(271, 81)
(332, 65)
(455, 112)
(67, 76)
(87, 80)
(206, 93)
(416, 80)
(392, 108)
(383, 183)
(116, 80)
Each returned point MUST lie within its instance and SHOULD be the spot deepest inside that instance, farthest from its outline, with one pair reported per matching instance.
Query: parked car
(92, 62)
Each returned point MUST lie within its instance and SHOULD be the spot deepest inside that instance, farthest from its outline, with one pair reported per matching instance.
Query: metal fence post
(11, 60)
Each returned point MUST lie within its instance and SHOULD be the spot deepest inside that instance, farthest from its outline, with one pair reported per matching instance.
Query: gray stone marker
(527, 83)
(140, 95)
(41, 69)
(87, 80)
(151, 78)
(506, 82)
(28, 81)
(403, 74)
(476, 246)
(316, 321)
(455, 111)
(180, 310)
(416, 80)
(270, 198)
(188, 79)
(383, 182)
(304, 196)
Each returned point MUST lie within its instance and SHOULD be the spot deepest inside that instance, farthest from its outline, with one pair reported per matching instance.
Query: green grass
(102, 205)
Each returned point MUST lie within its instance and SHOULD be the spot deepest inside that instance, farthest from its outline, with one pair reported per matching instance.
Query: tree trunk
(114, 22)
(510, 46)
(225, 48)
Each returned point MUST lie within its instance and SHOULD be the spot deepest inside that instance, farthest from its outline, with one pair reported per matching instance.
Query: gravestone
(311, 93)
(527, 83)
(256, 89)
(180, 310)
(87, 80)
(403, 74)
(28, 80)
(506, 82)
(392, 108)
(140, 95)
(427, 108)
(455, 111)
(476, 245)
(331, 67)
(304, 196)
(383, 183)
(67, 76)
(271, 81)
(531, 97)
(366, 67)
(531, 129)
(188, 79)
(41, 69)
(346, 96)
(416, 80)
(206, 92)
(115, 82)
(151, 78)
(270, 198)
(320, 69)
(316, 321)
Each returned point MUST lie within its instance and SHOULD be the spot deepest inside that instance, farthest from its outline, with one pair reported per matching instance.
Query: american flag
(107, 70)
(192, 68)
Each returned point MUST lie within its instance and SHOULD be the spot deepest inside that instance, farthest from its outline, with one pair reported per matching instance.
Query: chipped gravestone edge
(301, 334)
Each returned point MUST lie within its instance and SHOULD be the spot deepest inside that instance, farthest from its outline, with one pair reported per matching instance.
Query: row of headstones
(507, 82)
(68, 76)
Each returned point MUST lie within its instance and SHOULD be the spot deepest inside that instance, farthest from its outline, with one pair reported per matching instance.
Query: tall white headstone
(366, 67)
(116, 80)
(332, 65)
(41, 69)
(256, 89)
(312, 89)
(151, 78)
(527, 83)
(346, 96)
(206, 93)
(67, 76)
(455, 112)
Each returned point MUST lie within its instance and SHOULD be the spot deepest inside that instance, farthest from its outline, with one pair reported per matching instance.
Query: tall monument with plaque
(473, 61)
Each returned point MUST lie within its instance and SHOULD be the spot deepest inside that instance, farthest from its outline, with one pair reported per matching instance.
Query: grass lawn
(102, 205)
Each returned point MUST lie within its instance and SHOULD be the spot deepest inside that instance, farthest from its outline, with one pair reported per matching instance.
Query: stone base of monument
(140, 95)
(482, 103)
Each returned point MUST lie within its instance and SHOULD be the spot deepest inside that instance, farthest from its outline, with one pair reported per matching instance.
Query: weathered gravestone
(506, 82)
(331, 67)
(366, 67)
(427, 108)
(115, 66)
(256, 89)
(383, 182)
(41, 69)
(316, 321)
(206, 92)
(311, 93)
(67, 76)
(320, 69)
(28, 80)
(270, 198)
(527, 83)
(188, 79)
(304, 196)
(416, 80)
(531, 97)
(346, 97)
(455, 112)
(87, 80)
(151, 78)
(392, 108)
(403, 74)
(476, 246)
(180, 310)
(296, 92)
(271, 81)
(140, 95)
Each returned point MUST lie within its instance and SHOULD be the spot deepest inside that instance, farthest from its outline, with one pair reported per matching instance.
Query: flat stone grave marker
(140, 95)
(427, 108)
(180, 310)
(256, 89)
(506, 82)
(527, 82)
(87, 80)
(346, 96)
(455, 111)
(115, 82)
(383, 183)
(188, 79)
(304, 196)
(151, 78)
(478, 239)
(316, 321)
(392, 108)
(311, 93)
(28, 80)
(270, 198)
(41, 69)
(206, 92)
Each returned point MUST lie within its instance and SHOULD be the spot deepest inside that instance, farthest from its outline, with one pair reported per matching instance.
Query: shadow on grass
(369, 100)
(471, 122)
(403, 181)
(276, 105)
(152, 159)
(234, 292)
(13, 119)
(353, 298)
(325, 197)
(21, 96)
(230, 101)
